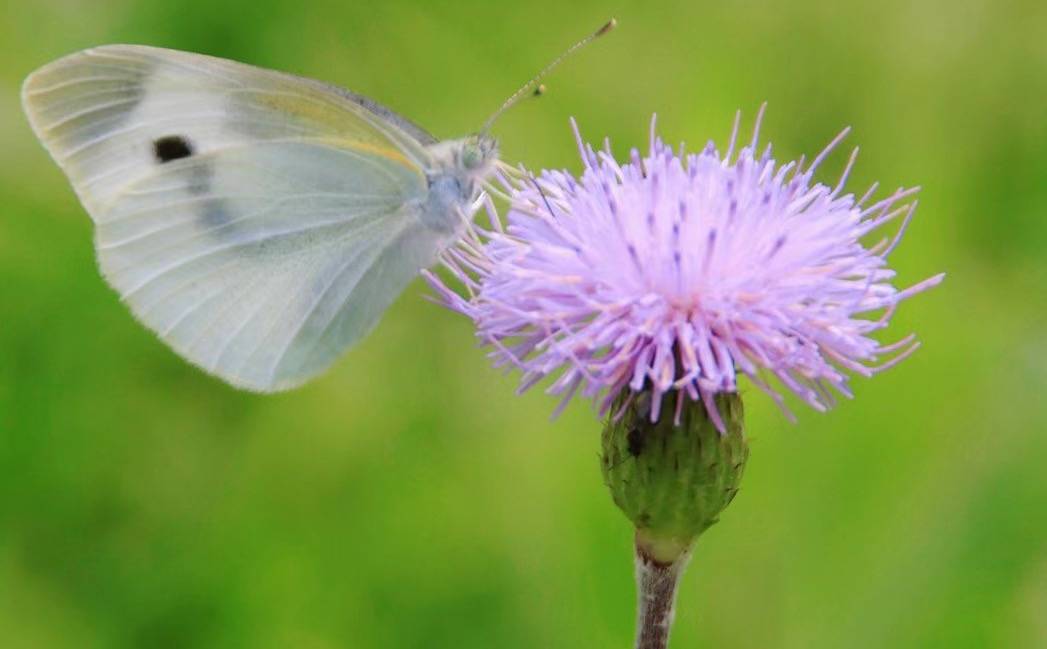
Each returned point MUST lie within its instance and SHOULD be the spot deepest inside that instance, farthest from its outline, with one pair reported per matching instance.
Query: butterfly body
(258, 222)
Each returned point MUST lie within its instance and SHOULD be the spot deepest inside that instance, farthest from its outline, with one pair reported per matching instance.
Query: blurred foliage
(408, 498)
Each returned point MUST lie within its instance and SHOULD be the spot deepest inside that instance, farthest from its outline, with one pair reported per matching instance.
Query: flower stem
(656, 583)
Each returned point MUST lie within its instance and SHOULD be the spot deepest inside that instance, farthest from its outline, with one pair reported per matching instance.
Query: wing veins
(210, 273)
(70, 82)
(127, 216)
(316, 303)
(210, 230)
(262, 305)
(171, 58)
(210, 252)
(263, 339)
(123, 90)
(50, 128)
(232, 246)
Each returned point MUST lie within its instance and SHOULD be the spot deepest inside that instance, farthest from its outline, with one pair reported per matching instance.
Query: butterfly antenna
(533, 87)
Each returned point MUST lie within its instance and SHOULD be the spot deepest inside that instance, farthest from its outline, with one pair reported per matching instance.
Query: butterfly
(259, 222)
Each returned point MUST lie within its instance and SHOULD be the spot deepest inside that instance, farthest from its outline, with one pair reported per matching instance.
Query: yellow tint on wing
(389, 153)
(319, 113)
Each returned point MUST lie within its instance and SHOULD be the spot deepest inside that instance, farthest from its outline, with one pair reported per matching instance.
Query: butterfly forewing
(101, 112)
(260, 223)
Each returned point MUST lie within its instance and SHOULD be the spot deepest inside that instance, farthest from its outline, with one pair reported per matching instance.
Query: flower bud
(674, 476)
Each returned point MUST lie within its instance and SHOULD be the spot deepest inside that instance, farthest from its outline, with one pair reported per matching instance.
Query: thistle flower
(651, 285)
(674, 272)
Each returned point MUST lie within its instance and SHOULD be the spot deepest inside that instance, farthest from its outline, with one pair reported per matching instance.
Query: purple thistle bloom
(676, 272)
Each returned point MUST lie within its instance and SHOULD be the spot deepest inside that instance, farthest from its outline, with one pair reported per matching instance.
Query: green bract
(672, 479)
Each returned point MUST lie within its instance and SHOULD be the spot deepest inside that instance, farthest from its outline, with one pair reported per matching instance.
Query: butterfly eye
(472, 157)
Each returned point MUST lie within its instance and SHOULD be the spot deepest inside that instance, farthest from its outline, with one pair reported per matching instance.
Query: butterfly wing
(258, 222)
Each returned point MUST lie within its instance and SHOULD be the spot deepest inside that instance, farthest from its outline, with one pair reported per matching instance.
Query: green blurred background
(408, 498)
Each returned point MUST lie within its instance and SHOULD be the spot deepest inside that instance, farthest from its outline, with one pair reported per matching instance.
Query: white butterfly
(259, 222)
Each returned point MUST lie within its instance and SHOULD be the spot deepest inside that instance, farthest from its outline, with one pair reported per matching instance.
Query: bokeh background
(408, 499)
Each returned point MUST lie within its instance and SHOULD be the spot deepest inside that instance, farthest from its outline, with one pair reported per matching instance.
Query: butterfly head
(478, 155)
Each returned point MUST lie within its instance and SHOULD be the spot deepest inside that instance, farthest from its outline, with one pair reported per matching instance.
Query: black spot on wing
(196, 176)
(172, 147)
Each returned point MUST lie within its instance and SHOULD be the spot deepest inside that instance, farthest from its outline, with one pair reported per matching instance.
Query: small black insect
(636, 440)
(171, 147)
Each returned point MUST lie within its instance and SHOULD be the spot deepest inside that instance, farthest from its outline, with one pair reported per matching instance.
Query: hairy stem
(656, 583)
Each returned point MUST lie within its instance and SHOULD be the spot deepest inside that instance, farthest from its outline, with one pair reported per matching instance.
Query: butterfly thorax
(458, 171)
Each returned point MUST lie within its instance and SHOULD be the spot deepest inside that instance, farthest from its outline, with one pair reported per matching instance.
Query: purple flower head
(675, 272)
